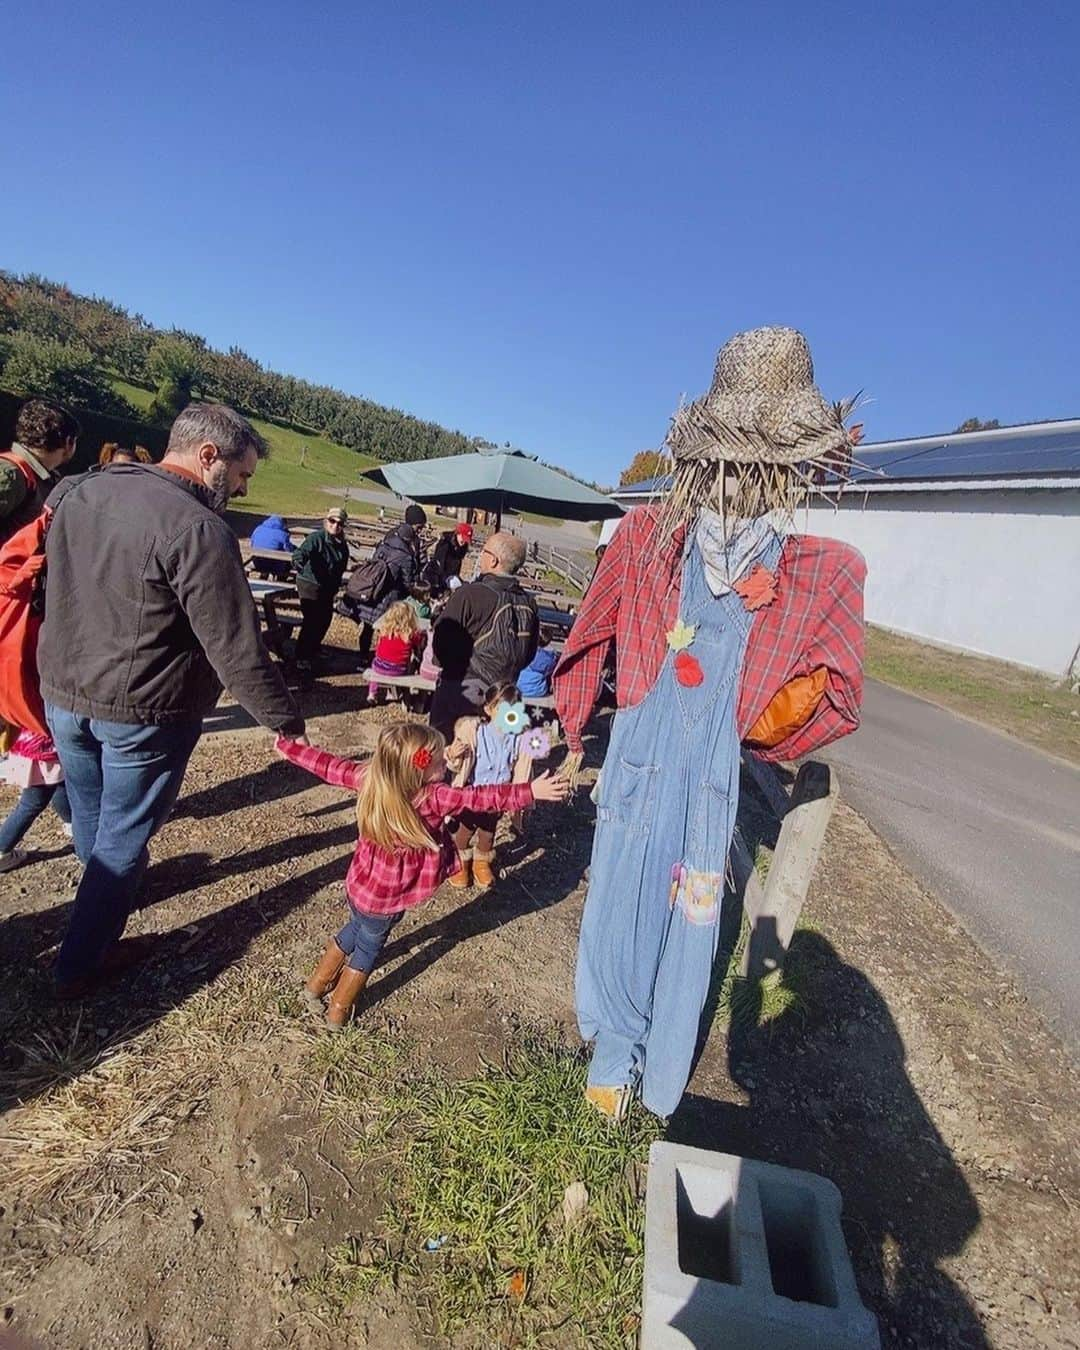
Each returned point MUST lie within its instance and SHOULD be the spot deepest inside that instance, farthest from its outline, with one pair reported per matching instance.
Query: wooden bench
(419, 687)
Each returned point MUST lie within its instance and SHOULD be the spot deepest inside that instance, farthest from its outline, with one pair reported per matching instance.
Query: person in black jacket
(488, 631)
(320, 563)
(147, 614)
(447, 557)
(400, 550)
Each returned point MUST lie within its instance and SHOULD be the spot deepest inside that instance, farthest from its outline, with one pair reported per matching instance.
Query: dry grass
(93, 1110)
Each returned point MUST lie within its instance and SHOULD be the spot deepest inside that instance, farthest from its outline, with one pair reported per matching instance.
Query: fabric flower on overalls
(681, 636)
(757, 589)
(537, 745)
(511, 718)
(697, 894)
(687, 668)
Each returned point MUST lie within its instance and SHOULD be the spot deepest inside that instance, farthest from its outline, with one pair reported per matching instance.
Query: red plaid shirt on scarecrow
(383, 882)
(815, 621)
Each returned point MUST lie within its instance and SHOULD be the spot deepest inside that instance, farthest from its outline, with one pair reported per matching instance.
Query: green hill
(282, 484)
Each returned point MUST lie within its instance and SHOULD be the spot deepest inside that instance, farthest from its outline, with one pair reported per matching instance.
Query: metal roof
(1041, 449)
(1043, 454)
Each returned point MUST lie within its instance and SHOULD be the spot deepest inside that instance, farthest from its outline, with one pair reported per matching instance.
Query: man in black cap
(399, 548)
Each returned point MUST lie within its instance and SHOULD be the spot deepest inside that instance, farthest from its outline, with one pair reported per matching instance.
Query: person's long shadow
(270, 784)
(179, 964)
(834, 1097)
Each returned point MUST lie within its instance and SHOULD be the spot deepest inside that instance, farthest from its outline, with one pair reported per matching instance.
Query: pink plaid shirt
(383, 882)
(816, 620)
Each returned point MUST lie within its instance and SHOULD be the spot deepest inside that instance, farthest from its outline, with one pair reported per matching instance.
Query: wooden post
(773, 910)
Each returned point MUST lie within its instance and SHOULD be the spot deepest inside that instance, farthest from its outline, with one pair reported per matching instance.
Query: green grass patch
(535, 518)
(482, 1168)
(1024, 704)
(556, 581)
(283, 484)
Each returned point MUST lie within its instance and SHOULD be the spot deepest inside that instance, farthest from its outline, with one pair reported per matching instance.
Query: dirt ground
(168, 1179)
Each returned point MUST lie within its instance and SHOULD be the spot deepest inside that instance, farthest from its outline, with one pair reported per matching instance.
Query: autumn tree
(646, 464)
(973, 424)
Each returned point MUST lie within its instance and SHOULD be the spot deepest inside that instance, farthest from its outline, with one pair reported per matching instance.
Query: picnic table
(278, 626)
(418, 689)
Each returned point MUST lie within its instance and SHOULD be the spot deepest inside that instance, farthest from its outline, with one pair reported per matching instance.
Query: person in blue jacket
(535, 680)
(272, 534)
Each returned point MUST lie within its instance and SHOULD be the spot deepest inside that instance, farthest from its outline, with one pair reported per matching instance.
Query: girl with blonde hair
(404, 851)
(399, 639)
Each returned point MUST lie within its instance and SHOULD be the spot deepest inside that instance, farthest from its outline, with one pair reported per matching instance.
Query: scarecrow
(727, 630)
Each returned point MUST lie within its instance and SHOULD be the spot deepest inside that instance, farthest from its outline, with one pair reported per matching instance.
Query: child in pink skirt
(33, 765)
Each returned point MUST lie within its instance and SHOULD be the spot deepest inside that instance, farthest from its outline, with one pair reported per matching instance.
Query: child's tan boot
(324, 976)
(348, 989)
(461, 880)
(482, 872)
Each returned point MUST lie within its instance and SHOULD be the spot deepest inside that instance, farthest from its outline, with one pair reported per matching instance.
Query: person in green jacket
(320, 563)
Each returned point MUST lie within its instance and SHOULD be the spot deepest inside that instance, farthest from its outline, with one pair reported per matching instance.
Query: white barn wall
(994, 572)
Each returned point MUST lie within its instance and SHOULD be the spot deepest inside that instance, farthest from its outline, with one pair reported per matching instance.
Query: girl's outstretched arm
(330, 768)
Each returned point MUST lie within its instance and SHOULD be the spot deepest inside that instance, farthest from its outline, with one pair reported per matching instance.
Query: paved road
(991, 827)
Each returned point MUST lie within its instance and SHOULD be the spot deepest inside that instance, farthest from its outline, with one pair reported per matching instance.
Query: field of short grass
(283, 484)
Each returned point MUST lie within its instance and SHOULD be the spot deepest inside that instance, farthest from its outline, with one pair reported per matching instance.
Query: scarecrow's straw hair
(743, 480)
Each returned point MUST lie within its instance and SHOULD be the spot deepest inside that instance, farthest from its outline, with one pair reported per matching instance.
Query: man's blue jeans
(122, 780)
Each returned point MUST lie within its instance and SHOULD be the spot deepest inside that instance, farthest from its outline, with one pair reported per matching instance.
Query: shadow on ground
(829, 1093)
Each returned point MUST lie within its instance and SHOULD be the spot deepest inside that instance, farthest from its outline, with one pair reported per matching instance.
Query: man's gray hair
(233, 435)
(509, 549)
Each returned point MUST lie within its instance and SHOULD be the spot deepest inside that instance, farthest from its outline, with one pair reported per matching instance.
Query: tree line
(71, 347)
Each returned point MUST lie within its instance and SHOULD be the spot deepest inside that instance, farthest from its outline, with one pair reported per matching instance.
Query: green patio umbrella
(492, 481)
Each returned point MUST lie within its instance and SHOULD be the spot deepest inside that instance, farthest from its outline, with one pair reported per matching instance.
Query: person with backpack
(488, 632)
(45, 439)
(386, 578)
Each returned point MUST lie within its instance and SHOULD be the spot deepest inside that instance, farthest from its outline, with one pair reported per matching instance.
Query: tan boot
(324, 976)
(462, 879)
(482, 873)
(348, 989)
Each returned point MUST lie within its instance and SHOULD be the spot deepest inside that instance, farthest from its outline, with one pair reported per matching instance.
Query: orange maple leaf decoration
(757, 589)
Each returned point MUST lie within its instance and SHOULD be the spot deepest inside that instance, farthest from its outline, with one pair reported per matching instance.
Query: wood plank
(797, 851)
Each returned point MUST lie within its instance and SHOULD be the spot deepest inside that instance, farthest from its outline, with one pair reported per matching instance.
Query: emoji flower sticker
(537, 744)
(511, 718)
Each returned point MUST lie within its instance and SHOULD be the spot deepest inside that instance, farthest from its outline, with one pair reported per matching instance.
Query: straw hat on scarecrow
(762, 438)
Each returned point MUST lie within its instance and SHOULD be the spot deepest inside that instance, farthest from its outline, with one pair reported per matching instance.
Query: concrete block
(741, 1255)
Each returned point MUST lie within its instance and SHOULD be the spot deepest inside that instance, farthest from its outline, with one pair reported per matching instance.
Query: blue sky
(538, 222)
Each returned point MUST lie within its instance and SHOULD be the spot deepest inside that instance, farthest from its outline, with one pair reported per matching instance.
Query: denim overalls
(668, 796)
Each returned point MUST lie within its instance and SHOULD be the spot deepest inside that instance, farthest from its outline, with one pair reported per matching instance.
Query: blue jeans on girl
(32, 801)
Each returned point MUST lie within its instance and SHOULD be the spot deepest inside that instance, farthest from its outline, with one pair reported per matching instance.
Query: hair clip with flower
(422, 758)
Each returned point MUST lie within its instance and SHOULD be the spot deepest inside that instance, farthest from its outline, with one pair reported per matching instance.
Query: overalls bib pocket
(628, 796)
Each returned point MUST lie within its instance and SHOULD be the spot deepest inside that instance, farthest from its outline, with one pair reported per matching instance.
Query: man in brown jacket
(147, 615)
